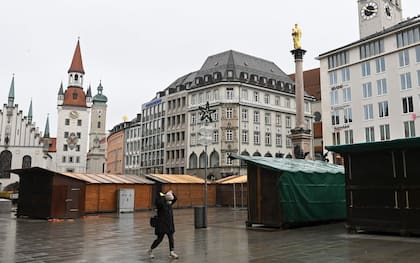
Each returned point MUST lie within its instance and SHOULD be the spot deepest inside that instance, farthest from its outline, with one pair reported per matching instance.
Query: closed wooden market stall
(48, 194)
(232, 191)
(382, 185)
(284, 192)
(188, 189)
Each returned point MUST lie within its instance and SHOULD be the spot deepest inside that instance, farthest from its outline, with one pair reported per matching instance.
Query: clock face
(369, 10)
(388, 11)
(74, 114)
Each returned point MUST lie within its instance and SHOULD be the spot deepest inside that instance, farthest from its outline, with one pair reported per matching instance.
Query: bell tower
(377, 15)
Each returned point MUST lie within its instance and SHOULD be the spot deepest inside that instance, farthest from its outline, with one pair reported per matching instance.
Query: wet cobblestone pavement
(126, 238)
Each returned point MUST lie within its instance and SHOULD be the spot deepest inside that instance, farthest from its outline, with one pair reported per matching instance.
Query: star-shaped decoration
(206, 112)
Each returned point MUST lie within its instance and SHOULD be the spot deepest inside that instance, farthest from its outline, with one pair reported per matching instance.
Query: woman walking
(165, 222)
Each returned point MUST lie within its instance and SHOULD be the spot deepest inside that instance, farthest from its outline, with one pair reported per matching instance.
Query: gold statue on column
(297, 34)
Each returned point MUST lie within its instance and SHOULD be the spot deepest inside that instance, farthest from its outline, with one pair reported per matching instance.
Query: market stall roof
(89, 178)
(376, 146)
(175, 178)
(291, 165)
(234, 179)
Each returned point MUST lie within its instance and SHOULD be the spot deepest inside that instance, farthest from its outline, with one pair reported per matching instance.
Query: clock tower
(377, 15)
(73, 106)
(97, 136)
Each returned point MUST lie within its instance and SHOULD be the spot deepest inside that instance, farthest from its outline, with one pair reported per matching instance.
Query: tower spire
(47, 127)
(11, 98)
(76, 63)
(30, 112)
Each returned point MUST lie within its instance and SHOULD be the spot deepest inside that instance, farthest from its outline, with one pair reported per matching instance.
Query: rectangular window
(380, 64)
(287, 103)
(370, 134)
(383, 109)
(256, 96)
(409, 129)
(267, 118)
(336, 138)
(278, 119)
(229, 94)
(67, 122)
(347, 94)
(193, 118)
(215, 136)
(229, 113)
(194, 99)
(66, 134)
(333, 77)
(367, 90)
(278, 140)
(335, 117)
(229, 135)
(334, 97)
(229, 161)
(277, 100)
(256, 117)
(65, 147)
(407, 103)
(256, 137)
(348, 137)
(405, 81)
(216, 94)
(345, 74)
(267, 98)
(368, 112)
(418, 77)
(404, 58)
(365, 69)
(244, 136)
(288, 142)
(268, 138)
(288, 122)
(385, 134)
(371, 48)
(348, 115)
(63, 159)
(244, 115)
(338, 59)
(79, 122)
(382, 87)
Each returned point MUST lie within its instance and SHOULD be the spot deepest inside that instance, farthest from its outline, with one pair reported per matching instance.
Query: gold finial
(297, 34)
(125, 118)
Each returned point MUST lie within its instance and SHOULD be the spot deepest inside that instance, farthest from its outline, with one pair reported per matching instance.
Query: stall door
(73, 202)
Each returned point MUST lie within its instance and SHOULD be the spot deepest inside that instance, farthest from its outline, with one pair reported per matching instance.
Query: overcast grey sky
(138, 48)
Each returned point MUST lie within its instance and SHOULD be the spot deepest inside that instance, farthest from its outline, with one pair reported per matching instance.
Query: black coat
(165, 221)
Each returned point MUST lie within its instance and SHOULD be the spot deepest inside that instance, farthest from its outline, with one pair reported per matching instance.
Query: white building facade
(370, 89)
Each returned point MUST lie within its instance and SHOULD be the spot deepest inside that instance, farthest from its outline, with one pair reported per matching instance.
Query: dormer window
(230, 74)
(244, 75)
(217, 76)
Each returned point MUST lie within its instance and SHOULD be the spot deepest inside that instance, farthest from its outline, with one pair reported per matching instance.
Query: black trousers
(159, 239)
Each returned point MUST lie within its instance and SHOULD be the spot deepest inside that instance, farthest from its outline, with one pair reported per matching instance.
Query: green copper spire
(30, 112)
(47, 127)
(11, 93)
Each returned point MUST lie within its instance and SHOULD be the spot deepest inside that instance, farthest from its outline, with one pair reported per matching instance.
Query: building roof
(71, 100)
(406, 23)
(85, 177)
(76, 63)
(99, 98)
(405, 143)
(175, 178)
(291, 165)
(234, 179)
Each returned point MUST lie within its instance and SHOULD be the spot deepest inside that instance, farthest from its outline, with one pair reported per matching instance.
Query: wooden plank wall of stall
(190, 195)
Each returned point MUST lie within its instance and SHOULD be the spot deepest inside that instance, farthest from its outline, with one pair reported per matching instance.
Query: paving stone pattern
(126, 238)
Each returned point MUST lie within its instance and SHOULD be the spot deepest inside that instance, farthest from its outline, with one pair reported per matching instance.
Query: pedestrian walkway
(126, 238)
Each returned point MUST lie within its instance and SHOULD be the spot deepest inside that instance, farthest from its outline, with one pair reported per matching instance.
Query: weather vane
(206, 112)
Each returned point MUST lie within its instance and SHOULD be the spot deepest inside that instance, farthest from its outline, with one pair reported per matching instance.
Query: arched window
(5, 163)
(246, 153)
(214, 159)
(26, 161)
(203, 160)
(76, 77)
(257, 153)
(268, 154)
(193, 161)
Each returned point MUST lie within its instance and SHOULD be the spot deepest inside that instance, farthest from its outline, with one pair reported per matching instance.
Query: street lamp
(206, 134)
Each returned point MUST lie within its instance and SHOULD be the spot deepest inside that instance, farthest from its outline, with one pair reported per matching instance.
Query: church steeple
(76, 70)
(47, 127)
(30, 112)
(11, 98)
